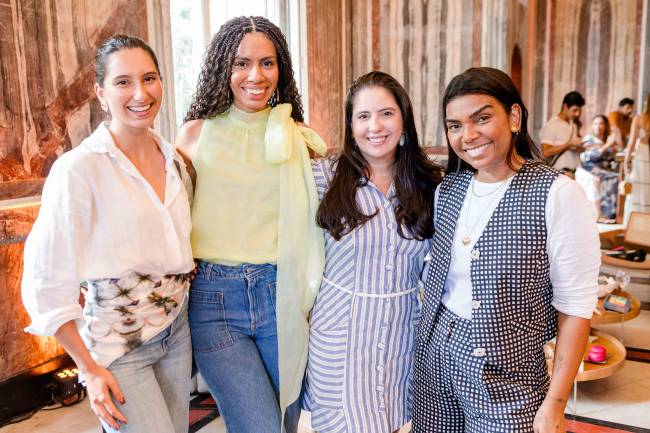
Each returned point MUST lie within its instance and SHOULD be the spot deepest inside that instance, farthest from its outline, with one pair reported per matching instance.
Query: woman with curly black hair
(260, 254)
(377, 212)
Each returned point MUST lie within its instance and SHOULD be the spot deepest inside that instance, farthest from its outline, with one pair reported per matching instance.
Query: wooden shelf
(608, 317)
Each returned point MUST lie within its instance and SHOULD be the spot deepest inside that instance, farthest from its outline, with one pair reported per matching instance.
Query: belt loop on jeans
(372, 295)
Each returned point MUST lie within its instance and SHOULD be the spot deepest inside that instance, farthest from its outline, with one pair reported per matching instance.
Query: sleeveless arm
(188, 137)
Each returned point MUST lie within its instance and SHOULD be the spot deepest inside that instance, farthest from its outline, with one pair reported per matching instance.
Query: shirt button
(381, 345)
(479, 352)
(389, 267)
(387, 204)
(390, 226)
(380, 388)
(476, 305)
(380, 369)
(475, 254)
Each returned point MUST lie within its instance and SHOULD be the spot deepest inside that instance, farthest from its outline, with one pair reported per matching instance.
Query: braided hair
(213, 94)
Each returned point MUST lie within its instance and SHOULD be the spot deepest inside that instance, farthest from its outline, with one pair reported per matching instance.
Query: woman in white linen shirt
(115, 214)
(515, 260)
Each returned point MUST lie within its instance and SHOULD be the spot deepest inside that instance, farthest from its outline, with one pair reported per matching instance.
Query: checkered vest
(512, 315)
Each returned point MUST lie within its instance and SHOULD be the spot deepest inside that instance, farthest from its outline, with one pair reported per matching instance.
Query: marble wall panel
(326, 34)
(18, 351)
(47, 106)
(424, 44)
(593, 46)
(46, 62)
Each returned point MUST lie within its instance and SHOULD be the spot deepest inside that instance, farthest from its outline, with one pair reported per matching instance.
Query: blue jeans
(234, 338)
(155, 379)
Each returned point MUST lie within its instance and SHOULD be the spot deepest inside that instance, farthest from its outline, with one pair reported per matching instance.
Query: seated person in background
(598, 159)
(621, 119)
(637, 162)
(560, 138)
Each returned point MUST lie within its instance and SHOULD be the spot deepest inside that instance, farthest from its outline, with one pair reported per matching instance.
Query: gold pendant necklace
(467, 239)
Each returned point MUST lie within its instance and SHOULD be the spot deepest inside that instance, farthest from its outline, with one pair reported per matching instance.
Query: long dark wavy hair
(497, 84)
(213, 94)
(415, 176)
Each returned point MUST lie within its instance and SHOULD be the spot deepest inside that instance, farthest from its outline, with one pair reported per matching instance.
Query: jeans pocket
(207, 319)
(272, 293)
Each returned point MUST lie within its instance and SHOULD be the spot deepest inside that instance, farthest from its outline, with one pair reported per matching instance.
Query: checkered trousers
(463, 393)
(512, 315)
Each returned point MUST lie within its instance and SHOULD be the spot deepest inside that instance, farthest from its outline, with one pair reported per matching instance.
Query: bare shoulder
(188, 136)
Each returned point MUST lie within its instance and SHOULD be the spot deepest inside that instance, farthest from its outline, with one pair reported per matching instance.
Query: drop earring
(273, 99)
(402, 140)
(104, 106)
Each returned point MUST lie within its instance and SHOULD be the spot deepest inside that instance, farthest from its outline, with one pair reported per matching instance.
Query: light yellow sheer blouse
(235, 213)
(255, 202)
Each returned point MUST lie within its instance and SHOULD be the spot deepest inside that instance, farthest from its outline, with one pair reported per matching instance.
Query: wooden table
(615, 361)
(615, 358)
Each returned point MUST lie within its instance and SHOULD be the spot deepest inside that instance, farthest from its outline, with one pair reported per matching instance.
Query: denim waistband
(211, 270)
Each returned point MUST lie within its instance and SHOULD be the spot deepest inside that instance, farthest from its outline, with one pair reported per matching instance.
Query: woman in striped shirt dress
(376, 210)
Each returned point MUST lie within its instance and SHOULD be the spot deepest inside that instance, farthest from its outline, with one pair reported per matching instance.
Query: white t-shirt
(573, 247)
(558, 132)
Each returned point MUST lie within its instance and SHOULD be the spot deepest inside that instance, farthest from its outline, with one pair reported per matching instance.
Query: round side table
(607, 317)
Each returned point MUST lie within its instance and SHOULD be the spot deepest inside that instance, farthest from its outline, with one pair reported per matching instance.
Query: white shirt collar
(101, 141)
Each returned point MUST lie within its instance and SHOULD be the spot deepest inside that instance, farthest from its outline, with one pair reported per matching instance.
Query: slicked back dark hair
(415, 179)
(116, 43)
(625, 101)
(573, 98)
(213, 94)
(497, 84)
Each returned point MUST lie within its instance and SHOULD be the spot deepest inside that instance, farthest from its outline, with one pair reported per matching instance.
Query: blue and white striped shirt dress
(363, 324)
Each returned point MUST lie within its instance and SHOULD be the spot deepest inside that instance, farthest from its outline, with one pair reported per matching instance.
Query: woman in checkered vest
(515, 262)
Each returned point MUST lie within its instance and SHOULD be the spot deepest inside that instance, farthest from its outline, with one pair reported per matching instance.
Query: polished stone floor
(623, 398)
